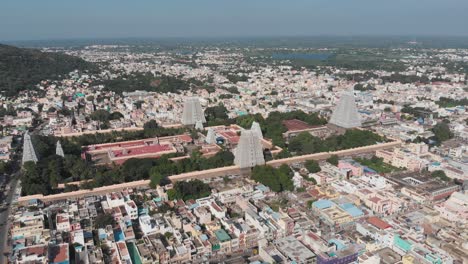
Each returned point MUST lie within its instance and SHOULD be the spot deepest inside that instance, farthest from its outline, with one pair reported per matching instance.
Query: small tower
(193, 112)
(256, 129)
(28, 149)
(210, 136)
(59, 150)
(199, 125)
(249, 151)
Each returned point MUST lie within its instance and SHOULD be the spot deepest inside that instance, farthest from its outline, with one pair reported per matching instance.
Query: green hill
(21, 69)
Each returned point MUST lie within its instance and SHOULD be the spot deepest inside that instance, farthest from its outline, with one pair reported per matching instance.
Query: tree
(116, 116)
(103, 220)
(442, 132)
(277, 180)
(440, 174)
(193, 189)
(156, 178)
(100, 115)
(151, 125)
(32, 181)
(168, 235)
(4, 167)
(312, 166)
(216, 114)
(333, 159)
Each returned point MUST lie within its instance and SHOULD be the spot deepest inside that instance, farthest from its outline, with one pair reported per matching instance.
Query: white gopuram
(28, 149)
(199, 125)
(59, 150)
(210, 136)
(249, 151)
(256, 129)
(345, 114)
(193, 112)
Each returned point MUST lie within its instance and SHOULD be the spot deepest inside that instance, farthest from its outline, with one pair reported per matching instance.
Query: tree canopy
(22, 69)
(312, 166)
(442, 132)
(277, 180)
(333, 159)
(186, 190)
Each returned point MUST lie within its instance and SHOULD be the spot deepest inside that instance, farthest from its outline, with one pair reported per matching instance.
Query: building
(28, 150)
(59, 150)
(455, 209)
(193, 112)
(249, 151)
(119, 152)
(345, 114)
(295, 251)
(256, 129)
(295, 127)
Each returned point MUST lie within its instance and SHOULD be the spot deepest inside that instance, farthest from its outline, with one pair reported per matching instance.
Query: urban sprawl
(238, 155)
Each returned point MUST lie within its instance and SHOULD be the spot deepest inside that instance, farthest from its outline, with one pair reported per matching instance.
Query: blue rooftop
(351, 209)
(322, 204)
(339, 244)
(118, 235)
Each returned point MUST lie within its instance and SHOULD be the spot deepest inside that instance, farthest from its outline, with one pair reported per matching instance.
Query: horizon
(57, 20)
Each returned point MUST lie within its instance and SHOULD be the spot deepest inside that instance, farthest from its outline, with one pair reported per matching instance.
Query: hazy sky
(58, 19)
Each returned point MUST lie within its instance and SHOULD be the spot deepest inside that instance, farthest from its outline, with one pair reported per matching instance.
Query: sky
(75, 19)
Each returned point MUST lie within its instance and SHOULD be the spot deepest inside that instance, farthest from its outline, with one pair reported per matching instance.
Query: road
(4, 215)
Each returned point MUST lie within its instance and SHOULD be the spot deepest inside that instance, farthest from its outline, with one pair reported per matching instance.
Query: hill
(21, 69)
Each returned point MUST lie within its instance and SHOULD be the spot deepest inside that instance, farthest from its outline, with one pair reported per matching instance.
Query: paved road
(4, 223)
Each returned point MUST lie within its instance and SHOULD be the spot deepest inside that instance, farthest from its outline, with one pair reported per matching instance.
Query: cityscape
(289, 149)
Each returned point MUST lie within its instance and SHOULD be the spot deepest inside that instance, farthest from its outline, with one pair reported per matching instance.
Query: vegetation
(216, 115)
(312, 166)
(305, 143)
(449, 102)
(103, 220)
(277, 180)
(415, 111)
(186, 190)
(362, 87)
(377, 164)
(4, 167)
(441, 175)
(22, 69)
(272, 126)
(234, 78)
(155, 178)
(333, 159)
(401, 78)
(442, 132)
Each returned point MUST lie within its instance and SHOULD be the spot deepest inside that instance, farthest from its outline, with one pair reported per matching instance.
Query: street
(4, 215)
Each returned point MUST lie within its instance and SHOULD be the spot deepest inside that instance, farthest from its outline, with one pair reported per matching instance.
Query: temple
(28, 150)
(249, 151)
(345, 114)
(193, 112)
(59, 150)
